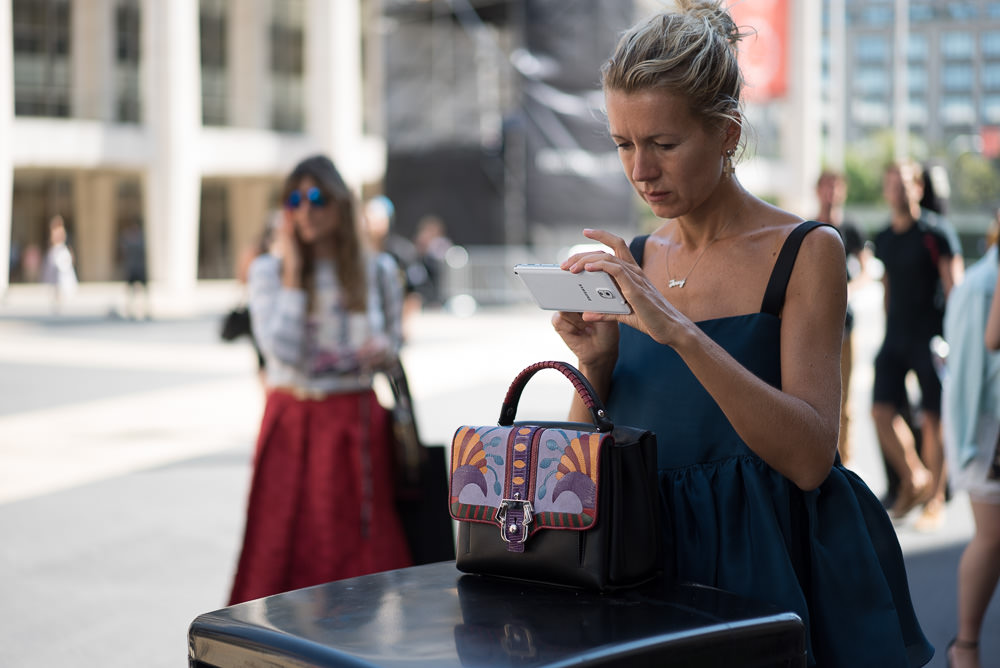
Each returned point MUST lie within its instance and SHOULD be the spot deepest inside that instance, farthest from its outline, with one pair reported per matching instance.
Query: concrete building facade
(181, 115)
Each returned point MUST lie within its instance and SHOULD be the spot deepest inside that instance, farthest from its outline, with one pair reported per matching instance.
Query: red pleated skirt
(321, 503)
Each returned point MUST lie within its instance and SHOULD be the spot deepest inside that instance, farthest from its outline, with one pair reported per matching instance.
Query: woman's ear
(733, 131)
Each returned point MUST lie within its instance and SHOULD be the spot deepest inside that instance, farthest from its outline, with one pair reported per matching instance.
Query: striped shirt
(317, 351)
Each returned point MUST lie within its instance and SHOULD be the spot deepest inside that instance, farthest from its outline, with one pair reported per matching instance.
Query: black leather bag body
(563, 503)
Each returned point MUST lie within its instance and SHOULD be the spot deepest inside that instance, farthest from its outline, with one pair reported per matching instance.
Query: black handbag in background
(421, 477)
(557, 502)
(235, 324)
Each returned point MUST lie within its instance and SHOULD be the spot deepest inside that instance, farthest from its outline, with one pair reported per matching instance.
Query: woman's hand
(593, 343)
(376, 353)
(287, 247)
(651, 312)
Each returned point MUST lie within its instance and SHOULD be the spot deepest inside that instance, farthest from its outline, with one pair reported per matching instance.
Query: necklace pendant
(674, 283)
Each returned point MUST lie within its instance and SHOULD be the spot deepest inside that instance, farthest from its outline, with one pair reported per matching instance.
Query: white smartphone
(555, 289)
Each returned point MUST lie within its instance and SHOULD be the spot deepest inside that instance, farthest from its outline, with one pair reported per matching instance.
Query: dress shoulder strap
(638, 248)
(774, 295)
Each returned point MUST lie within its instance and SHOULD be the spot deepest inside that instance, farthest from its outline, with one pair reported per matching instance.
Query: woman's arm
(793, 429)
(277, 313)
(993, 320)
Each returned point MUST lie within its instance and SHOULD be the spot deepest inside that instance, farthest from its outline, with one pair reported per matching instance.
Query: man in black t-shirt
(918, 276)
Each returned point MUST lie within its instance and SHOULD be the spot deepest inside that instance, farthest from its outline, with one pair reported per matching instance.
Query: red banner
(763, 56)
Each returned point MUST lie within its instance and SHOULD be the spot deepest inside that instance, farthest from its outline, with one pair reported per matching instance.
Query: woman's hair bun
(715, 14)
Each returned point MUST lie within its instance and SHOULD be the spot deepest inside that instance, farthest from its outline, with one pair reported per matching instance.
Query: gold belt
(303, 393)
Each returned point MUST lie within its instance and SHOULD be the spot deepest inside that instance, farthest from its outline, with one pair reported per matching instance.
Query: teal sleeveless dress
(731, 521)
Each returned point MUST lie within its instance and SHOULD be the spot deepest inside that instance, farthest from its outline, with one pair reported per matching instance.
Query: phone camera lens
(605, 293)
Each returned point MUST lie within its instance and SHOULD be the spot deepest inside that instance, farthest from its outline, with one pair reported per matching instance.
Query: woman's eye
(623, 145)
(667, 147)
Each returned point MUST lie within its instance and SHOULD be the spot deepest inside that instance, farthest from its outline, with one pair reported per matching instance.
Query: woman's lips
(656, 196)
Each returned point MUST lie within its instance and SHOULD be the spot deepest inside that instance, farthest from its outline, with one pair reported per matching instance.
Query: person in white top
(58, 270)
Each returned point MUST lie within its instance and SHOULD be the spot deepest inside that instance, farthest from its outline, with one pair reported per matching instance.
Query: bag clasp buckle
(514, 517)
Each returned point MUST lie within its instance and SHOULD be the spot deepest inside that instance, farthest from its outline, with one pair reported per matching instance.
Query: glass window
(993, 10)
(215, 258)
(128, 100)
(212, 22)
(991, 108)
(916, 47)
(958, 77)
(41, 57)
(870, 113)
(871, 49)
(287, 65)
(958, 110)
(877, 15)
(957, 44)
(990, 43)
(916, 78)
(917, 113)
(870, 81)
(990, 76)
(962, 11)
(921, 13)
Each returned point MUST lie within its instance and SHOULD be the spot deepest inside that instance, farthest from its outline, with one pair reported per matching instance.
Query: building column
(93, 62)
(172, 109)
(248, 60)
(96, 216)
(333, 83)
(802, 126)
(6, 130)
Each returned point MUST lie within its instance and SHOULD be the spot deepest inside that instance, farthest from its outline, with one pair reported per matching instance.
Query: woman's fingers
(600, 260)
(612, 241)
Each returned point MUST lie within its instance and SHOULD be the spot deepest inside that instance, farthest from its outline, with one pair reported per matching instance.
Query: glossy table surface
(434, 615)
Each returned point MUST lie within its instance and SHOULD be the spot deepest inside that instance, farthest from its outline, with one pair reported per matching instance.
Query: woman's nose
(644, 167)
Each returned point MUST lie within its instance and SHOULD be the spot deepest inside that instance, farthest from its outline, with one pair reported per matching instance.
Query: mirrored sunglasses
(313, 195)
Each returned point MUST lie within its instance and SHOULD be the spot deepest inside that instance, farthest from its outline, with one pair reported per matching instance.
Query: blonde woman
(732, 357)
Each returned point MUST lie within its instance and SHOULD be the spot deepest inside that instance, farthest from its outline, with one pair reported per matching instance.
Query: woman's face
(316, 218)
(901, 187)
(672, 158)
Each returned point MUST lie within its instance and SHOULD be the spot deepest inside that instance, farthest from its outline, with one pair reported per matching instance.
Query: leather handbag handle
(582, 385)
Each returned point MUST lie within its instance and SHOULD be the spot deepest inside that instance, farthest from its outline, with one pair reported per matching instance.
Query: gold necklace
(679, 283)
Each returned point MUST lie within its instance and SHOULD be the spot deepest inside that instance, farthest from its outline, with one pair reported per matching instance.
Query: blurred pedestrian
(993, 320)
(32, 263)
(321, 504)
(831, 192)
(132, 246)
(971, 417)
(934, 206)
(917, 278)
(379, 219)
(432, 245)
(731, 356)
(58, 270)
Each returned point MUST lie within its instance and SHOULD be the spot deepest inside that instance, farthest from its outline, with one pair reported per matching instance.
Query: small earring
(727, 166)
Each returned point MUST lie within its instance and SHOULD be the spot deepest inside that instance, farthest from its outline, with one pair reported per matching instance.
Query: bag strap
(391, 320)
(580, 382)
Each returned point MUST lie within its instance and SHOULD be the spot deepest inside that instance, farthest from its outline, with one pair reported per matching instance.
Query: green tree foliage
(975, 182)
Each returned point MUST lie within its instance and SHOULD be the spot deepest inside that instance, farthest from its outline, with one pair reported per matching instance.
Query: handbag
(563, 503)
(421, 479)
(235, 324)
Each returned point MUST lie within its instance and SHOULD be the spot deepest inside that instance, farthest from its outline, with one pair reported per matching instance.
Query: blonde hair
(690, 51)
